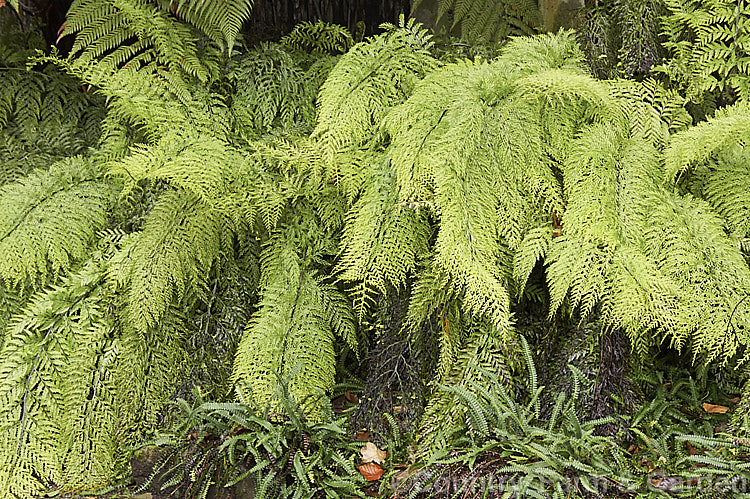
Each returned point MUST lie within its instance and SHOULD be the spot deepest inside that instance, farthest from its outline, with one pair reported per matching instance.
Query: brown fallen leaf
(371, 454)
(371, 471)
(363, 435)
(715, 409)
(734, 400)
(691, 449)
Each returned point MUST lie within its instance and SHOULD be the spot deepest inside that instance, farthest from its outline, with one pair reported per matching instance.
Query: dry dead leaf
(715, 409)
(371, 471)
(371, 454)
(735, 400)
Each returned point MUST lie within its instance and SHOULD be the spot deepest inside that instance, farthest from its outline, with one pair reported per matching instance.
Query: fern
(299, 316)
(367, 80)
(708, 42)
(489, 20)
(58, 393)
(48, 221)
(220, 20)
(319, 38)
(379, 228)
(173, 253)
(273, 90)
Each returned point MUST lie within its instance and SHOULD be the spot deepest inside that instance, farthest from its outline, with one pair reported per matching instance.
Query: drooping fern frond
(520, 150)
(379, 228)
(196, 163)
(726, 186)
(489, 20)
(220, 20)
(58, 401)
(300, 315)
(131, 34)
(180, 240)
(271, 90)
(713, 157)
(652, 259)
(48, 221)
(367, 80)
(695, 146)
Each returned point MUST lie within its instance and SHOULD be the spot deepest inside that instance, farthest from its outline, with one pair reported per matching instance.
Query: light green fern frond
(294, 328)
(696, 145)
(382, 240)
(172, 255)
(726, 186)
(367, 80)
(196, 163)
(48, 221)
(58, 412)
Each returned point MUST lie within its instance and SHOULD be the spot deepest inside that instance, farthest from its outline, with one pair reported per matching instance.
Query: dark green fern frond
(654, 112)
(484, 348)
(489, 20)
(708, 42)
(131, 34)
(220, 20)
(270, 90)
(48, 221)
(319, 38)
